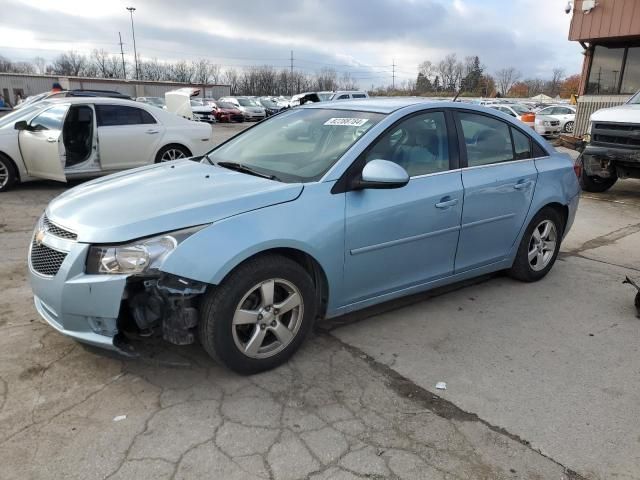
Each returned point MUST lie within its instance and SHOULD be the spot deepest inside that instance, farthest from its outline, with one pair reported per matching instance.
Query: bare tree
(70, 63)
(232, 79)
(40, 65)
(182, 72)
(556, 80)
(505, 78)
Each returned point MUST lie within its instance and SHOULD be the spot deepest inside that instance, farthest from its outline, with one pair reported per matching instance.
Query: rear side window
(521, 145)
(114, 115)
(343, 97)
(487, 139)
(359, 95)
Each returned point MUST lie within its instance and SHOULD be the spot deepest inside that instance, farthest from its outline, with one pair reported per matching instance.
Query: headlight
(546, 123)
(137, 257)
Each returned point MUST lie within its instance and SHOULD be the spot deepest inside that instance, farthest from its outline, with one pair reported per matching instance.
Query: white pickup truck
(612, 146)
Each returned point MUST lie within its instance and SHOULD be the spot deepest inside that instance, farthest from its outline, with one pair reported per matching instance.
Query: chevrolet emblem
(40, 237)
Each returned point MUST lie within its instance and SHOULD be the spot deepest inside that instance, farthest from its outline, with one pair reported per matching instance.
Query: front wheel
(259, 316)
(539, 246)
(8, 174)
(595, 184)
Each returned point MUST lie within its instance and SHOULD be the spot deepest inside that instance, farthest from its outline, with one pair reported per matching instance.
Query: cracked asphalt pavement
(357, 401)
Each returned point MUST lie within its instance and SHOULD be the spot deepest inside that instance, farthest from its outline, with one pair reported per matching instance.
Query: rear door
(499, 177)
(127, 136)
(41, 144)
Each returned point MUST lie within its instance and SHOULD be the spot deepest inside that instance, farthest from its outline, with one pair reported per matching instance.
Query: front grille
(622, 134)
(45, 260)
(53, 229)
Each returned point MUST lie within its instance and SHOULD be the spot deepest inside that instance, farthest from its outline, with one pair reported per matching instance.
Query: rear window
(114, 115)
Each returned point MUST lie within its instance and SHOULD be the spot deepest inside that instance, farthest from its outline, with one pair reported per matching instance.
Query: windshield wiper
(239, 167)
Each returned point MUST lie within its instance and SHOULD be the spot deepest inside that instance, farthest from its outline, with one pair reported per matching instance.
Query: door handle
(52, 139)
(522, 185)
(151, 132)
(447, 202)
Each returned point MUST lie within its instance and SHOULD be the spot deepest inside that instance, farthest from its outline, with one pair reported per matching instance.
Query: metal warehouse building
(13, 84)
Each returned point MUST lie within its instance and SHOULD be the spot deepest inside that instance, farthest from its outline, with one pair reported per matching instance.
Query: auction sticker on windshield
(347, 122)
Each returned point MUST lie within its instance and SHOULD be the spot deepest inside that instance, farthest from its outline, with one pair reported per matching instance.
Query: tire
(8, 174)
(595, 184)
(175, 151)
(568, 127)
(528, 269)
(244, 296)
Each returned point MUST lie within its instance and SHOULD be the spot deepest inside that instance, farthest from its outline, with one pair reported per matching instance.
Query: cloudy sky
(363, 37)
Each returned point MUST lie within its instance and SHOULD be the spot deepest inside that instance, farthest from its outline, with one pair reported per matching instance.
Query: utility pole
(133, 32)
(393, 74)
(124, 70)
(291, 75)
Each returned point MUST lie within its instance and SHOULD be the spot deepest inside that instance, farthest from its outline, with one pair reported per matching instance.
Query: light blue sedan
(316, 212)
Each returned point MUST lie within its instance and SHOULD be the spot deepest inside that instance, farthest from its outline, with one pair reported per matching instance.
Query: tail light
(528, 117)
(577, 168)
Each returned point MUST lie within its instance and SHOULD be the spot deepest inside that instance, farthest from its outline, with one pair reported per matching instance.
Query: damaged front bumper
(98, 309)
(607, 162)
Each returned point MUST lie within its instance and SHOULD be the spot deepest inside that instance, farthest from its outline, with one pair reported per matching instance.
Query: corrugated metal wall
(34, 84)
(587, 104)
(610, 18)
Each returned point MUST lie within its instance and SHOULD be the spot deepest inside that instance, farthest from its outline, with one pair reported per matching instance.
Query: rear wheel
(568, 127)
(259, 316)
(595, 184)
(539, 246)
(8, 174)
(172, 152)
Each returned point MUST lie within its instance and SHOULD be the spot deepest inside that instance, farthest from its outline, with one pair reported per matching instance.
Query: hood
(620, 114)
(229, 110)
(160, 198)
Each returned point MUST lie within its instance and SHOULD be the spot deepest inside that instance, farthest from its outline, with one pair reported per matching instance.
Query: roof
(376, 105)
(109, 100)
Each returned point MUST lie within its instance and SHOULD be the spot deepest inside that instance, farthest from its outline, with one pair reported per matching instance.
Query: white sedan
(521, 112)
(565, 114)
(90, 136)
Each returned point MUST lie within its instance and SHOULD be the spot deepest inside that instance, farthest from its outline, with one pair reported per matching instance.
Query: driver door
(41, 144)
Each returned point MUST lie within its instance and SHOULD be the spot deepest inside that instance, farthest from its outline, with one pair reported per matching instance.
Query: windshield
(268, 103)
(226, 105)
(196, 103)
(520, 109)
(325, 97)
(635, 100)
(24, 113)
(247, 102)
(299, 145)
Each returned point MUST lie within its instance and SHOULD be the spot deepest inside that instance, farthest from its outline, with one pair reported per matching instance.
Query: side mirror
(21, 125)
(382, 174)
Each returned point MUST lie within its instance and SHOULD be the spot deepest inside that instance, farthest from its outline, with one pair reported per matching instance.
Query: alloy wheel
(4, 175)
(267, 318)
(542, 245)
(172, 154)
(568, 127)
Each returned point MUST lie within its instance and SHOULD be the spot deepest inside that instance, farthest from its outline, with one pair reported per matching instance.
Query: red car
(227, 112)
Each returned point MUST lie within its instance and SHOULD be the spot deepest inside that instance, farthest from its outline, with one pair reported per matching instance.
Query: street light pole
(133, 32)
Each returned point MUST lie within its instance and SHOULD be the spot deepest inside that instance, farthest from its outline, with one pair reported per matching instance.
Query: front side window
(50, 119)
(418, 144)
(116, 115)
(487, 139)
(606, 67)
(299, 145)
(343, 97)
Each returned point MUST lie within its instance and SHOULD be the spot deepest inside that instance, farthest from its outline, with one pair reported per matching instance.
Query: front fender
(313, 224)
